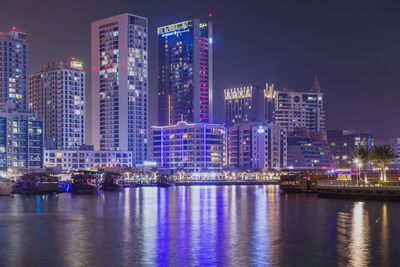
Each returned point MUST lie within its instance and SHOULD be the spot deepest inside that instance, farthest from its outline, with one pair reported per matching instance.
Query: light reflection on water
(199, 225)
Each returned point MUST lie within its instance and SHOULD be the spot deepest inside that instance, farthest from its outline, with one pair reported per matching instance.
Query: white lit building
(66, 160)
(295, 109)
(119, 98)
(14, 68)
(57, 94)
(191, 147)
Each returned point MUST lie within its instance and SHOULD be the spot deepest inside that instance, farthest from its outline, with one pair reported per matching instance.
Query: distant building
(344, 143)
(394, 143)
(192, 147)
(248, 103)
(21, 140)
(57, 94)
(294, 109)
(119, 96)
(185, 72)
(67, 160)
(256, 145)
(309, 150)
(14, 68)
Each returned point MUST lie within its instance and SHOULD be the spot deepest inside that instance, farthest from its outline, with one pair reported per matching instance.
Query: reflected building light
(359, 248)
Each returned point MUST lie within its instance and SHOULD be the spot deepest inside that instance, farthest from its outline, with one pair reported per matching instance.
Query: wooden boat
(6, 186)
(37, 183)
(109, 182)
(164, 181)
(84, 182)
(303, 180)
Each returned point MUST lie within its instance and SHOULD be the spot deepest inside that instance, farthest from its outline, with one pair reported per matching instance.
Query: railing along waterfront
(353, 184)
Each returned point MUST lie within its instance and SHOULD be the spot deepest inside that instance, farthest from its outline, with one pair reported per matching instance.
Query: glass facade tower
(185, 72)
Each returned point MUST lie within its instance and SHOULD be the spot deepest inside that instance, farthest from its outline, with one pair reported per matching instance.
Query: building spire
(315, 88)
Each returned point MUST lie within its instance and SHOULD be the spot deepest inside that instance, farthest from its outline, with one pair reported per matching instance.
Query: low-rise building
(309, 150)
(66, 160)
(344, 143)
(191, 147)
(256, 145)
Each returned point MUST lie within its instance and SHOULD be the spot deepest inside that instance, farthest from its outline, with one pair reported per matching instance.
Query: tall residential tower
(57, 94)
(185, 80)
(14, 68)
(119, 96)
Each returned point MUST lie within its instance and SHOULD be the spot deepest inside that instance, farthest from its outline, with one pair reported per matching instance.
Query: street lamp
(358, 164)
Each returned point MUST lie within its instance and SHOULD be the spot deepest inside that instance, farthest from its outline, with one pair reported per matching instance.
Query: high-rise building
(344, 143)
(257, 145)
(294, 109)
(21, 139)
(185, 72)
(14, 68)
(248, 103)
(119, 96)
(192, 147)
(57, 94)
(308, 150)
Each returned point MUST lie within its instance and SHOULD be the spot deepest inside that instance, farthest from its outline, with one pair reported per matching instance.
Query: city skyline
(321, 44)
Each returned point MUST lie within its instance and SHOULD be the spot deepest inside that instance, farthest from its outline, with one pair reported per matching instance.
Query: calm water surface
(197, 226)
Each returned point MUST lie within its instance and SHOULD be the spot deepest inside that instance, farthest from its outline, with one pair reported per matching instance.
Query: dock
(357, 190)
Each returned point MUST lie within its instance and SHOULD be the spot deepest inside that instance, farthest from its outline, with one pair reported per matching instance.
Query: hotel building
(119, 96)
(192, 147)
(67, 160)
(257, 145)
(185, 72)
(344, 143)
(248, 103)
(294, 109)
(14, 68)
(57, 94)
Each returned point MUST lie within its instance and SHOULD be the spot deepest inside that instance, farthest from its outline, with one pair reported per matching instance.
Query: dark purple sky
(353, 46)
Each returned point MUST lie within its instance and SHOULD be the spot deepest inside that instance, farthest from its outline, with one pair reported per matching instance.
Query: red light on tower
(73, 58)
(13, 28)
(209, 15)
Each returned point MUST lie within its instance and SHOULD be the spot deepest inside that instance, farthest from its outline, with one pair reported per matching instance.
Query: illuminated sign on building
(174, 33)
(235, 93)
(174, 27)
(78, 65)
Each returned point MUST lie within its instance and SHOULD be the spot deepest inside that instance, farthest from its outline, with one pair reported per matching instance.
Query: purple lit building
(185, 72)
(192, 147)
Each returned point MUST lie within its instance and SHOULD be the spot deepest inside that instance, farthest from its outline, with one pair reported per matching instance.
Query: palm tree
(363, 154)
(383, 155)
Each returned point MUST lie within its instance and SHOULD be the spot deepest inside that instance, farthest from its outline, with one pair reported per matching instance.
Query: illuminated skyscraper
(119, 96)
(57, 94)
(14, 68)
(249, 103)
(185, 72)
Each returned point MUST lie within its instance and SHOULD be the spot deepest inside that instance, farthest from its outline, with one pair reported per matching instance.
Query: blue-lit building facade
(192, 147)
(185, 72)
(21, 140)
(14, 68)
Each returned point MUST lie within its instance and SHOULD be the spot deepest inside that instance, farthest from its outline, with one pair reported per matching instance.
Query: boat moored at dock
(84, 182)
(303, 180)
(37, 183)
(6, 186)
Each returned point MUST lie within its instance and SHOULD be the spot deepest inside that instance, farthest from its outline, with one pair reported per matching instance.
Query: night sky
(353, 46)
